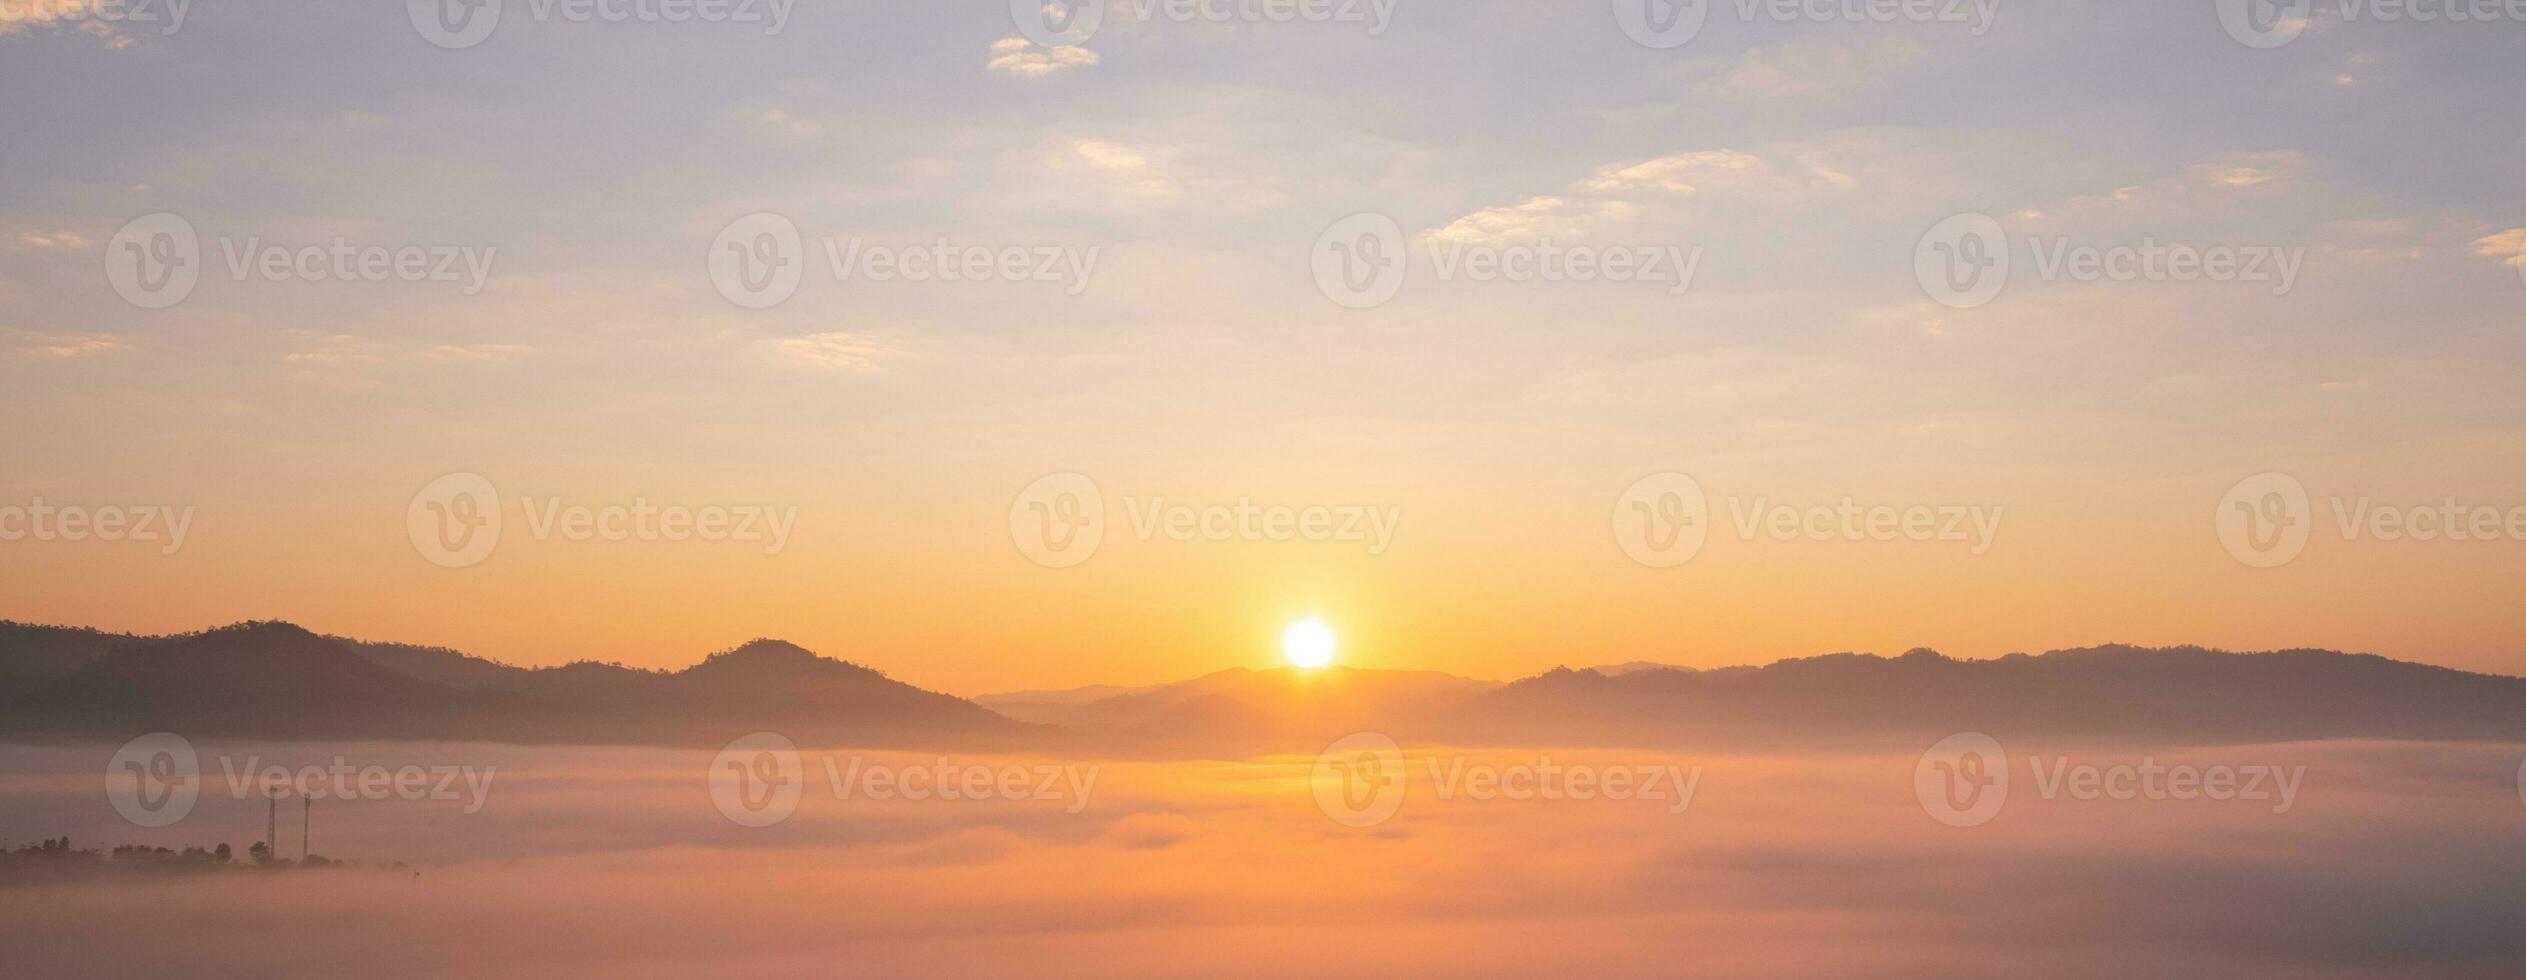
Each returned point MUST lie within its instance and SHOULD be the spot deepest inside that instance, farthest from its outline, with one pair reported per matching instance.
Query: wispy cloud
(831, 351)
(2507, 246)
(1027, 59)
(62, 346)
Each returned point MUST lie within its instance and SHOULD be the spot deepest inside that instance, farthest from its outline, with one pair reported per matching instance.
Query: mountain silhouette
(276, 680)
(2181, 694)
(271, 679)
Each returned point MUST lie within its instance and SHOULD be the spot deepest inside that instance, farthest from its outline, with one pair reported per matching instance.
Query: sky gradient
(591, 168)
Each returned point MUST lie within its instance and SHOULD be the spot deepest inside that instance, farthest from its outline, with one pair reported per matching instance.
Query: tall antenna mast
(272, 822)
(306, 816)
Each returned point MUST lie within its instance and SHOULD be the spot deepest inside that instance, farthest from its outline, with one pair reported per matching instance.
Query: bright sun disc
(1309, 643)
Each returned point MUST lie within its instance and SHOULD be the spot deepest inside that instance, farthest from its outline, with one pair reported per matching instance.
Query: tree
(260, 852)
(223, 855)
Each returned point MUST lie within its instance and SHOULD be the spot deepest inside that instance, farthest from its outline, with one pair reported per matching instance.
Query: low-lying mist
(2343, 859)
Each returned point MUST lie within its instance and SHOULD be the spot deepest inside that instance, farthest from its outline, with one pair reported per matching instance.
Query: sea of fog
(2345, 859)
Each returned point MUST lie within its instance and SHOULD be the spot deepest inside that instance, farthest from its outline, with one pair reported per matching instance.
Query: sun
(1308, 644)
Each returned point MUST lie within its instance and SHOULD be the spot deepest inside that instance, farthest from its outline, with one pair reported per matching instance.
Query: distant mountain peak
(771, 657)
(259, 629)
(766, 648)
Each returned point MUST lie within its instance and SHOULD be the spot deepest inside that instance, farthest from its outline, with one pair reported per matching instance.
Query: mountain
(1036, 705)
(1634, 667)
(2178, 694)
(31, 655)
(437, 665)
(269, 679)
(276, 680)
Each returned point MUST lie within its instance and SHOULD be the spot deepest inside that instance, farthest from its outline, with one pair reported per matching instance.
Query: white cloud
(83, 16)
(51, 239)
(1026, 59)
(1645, 189)
(2221, 188)
(63, 346)
(2507, 246)
(832, 351)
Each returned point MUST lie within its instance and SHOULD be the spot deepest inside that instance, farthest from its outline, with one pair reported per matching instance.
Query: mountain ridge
(276, 679)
